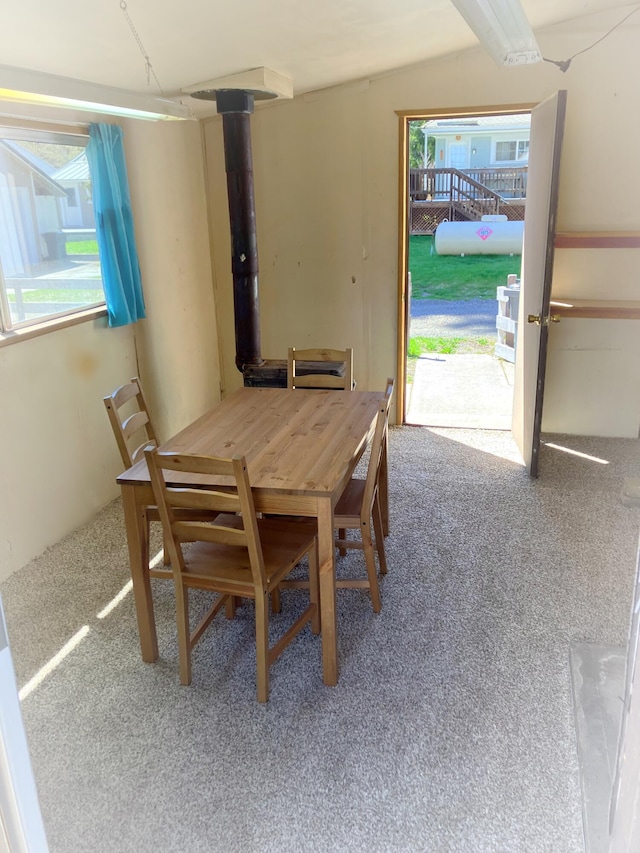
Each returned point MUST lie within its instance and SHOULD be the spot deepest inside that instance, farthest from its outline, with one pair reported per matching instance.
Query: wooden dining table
(301, 448)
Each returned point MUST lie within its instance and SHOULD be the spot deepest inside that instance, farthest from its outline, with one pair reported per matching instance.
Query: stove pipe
(235, 106)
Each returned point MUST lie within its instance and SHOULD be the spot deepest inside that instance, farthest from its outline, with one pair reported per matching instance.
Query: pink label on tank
(484, 232)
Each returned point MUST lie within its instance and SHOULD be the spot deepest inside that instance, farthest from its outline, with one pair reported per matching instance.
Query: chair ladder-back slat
(342, 359)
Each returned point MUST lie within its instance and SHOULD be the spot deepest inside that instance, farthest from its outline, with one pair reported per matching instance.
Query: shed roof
(75, 170)
(40, 169)
(482, 124)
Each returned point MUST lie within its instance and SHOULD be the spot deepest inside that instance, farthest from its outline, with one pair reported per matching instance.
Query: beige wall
(59, 462)
(177, 343)
(59, 459)
(326, 180)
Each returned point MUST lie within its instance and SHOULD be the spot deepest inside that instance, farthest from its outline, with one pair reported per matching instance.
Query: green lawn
(447, 346)
(82, 247)
(84, 297)
(454, 278)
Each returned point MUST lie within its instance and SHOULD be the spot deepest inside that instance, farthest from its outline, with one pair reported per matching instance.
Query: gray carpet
(451, 728)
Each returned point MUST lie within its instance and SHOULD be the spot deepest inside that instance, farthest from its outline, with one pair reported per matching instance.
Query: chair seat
(349, 507)
(283, 546)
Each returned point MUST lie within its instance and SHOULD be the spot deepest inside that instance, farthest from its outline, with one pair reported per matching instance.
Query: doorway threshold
(467, 391)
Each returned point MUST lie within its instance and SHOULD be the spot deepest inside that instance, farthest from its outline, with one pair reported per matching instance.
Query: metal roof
(75, 170)
(41, 170)
(436, 127)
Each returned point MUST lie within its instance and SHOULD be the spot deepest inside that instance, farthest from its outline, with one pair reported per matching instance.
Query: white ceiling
(317, 44)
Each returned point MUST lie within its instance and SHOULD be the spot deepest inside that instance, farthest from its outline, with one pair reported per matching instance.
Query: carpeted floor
(451, 728)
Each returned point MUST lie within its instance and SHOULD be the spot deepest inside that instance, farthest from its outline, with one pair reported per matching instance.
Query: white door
(21, 828)
(624, 813)
(547, 128)
(458, 156)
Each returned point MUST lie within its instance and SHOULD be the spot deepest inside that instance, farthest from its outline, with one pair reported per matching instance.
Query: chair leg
(262, 645)
(230, 607)
(372, 574)
(378, 528)
(342, 534)
(184, 637)
(276, 603)
(314, 588)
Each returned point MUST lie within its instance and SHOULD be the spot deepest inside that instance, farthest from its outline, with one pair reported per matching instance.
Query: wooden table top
(301, 442)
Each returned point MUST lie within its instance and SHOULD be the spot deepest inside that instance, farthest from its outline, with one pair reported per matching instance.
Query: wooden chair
(301, 377)
(238, 555)
(132, 427)
(383, 477)
(131, 424)
(359, 505)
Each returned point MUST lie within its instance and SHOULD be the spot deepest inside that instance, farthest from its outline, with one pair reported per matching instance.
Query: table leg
(138, 542)
(326, 564)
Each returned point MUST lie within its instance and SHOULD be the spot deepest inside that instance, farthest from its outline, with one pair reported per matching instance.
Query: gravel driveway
(431, 318)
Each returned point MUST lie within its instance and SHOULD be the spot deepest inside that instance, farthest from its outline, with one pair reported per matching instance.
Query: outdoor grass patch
(418, 346)
(454, 278)
(85, 297)
(463, 346)
(83, 247)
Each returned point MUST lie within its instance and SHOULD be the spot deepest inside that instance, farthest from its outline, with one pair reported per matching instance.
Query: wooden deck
(438, 195)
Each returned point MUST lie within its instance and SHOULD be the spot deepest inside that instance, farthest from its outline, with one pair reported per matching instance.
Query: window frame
(11, 331)
(517, 143)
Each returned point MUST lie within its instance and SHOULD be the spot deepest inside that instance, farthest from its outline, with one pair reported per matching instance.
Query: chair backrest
(236, 497)
(295, 379)
(388, 391)
(377, 447)
(131, 424)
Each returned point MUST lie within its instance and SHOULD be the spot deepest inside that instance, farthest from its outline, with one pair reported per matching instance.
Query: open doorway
(464, 186)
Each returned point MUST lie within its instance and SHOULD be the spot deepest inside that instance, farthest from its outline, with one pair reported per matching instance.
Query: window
(72, 200)
(514, 150)
(49, 265)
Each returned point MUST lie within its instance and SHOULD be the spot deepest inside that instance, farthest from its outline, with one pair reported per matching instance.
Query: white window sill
(46, 326)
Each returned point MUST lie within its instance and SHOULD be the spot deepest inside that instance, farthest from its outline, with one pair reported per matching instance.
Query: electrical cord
(563, 64)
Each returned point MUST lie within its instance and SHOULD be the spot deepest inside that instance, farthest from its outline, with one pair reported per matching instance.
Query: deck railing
(509, 183)
(434, 184)
(22, 309)
(449, 194)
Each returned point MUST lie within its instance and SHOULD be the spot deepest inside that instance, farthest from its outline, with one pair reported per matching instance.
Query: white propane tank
(488, 237)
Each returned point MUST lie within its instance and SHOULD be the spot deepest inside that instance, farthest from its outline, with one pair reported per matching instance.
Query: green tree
(416, 146)
(53, 153)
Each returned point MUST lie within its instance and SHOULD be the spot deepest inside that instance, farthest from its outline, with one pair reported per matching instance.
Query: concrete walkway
(471, 391)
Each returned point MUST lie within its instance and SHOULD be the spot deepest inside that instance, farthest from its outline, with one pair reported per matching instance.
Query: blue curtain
(114, 225)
